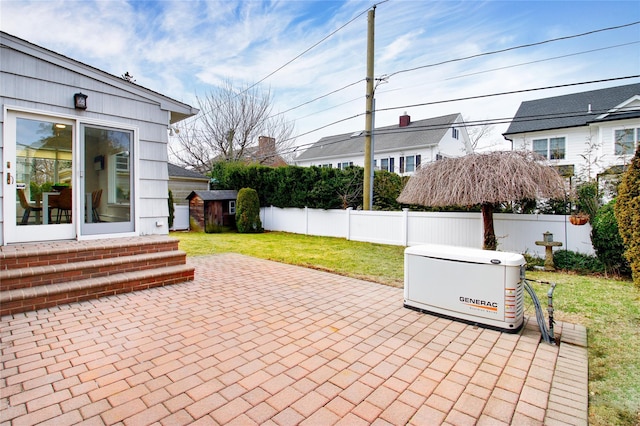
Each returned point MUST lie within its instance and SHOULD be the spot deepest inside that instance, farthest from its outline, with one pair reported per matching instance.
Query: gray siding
(47, 84)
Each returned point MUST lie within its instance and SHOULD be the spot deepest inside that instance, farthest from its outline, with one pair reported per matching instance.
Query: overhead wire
(468, 123)
(522, 46)
(305, 52)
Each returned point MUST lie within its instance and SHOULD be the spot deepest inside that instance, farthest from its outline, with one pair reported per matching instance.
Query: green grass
(609, 308)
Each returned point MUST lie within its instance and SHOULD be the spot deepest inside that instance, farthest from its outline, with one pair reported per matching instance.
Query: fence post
(306, 220)
(405, 227)
(348, 216)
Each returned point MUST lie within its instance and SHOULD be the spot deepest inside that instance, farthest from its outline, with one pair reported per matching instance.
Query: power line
(483, 122)
(522, 46)
(302, 54)
(467, 98)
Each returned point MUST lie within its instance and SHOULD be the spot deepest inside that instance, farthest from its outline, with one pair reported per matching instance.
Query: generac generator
(476, 286)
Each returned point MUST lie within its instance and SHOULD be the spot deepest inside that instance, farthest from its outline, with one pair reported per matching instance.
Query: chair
(28, 207)
(96, 196)
(63, 204)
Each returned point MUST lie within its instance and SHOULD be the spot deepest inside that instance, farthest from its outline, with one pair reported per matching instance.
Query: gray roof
(573, 110)
(179, 172)
(216, 195)
(420, 133)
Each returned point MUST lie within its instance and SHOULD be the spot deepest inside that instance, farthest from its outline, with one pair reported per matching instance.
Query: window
(326, 166)
(551, 149)
(232, 207)
(384, 164)
(625, 141)
(454, 133)
(410, 163)
(344, 165)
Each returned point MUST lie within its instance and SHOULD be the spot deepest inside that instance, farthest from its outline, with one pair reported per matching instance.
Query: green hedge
(313, 187)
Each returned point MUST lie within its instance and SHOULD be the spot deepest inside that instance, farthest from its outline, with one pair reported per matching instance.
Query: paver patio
(257, 342)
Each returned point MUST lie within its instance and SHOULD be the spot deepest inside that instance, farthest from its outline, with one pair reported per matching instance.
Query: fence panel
(454, 229)
(327, 223)
(515, 233)
(377, 227)
(180, 218)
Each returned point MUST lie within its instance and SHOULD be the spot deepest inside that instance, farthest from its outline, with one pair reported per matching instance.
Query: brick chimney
(405, 120)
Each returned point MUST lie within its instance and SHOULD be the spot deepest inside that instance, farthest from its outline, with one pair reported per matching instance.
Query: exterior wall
(448, 146)
(515, 233)
(577, 145)
(182, 187)
(47, 86)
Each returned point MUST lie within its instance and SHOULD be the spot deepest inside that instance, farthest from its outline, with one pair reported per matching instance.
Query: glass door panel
(42, 179)
(108, 180)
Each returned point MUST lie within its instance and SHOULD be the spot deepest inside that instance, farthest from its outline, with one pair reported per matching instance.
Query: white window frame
(548, 153)
(232, 206)
(635, 135)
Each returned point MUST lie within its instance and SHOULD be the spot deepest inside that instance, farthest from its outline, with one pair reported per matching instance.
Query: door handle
(9, 178)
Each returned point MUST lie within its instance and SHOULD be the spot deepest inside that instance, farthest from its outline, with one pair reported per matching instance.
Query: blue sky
(184, 48)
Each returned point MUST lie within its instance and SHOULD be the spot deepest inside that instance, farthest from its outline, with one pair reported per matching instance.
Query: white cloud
(183, 48)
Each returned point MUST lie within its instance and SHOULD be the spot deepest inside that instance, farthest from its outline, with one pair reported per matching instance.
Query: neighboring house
(101, 136)
(588, 134)
(182, 182)
(217, 208)
(399, 148)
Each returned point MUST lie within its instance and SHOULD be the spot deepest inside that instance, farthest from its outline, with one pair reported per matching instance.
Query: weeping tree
(485, 179)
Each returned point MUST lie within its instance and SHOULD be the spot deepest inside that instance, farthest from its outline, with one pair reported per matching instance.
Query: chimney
(266, 145)
(405, 120)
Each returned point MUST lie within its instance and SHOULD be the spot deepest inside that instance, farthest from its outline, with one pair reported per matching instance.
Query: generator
(480, 287)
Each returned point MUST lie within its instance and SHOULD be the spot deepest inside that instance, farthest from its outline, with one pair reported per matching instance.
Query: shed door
(39, 200)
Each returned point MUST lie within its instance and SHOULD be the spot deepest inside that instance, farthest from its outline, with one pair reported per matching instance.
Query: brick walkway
(258, 342)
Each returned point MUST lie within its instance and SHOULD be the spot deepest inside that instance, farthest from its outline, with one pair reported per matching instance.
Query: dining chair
(27, 206)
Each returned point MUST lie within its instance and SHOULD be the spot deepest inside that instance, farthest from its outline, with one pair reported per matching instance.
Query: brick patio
(257, 342)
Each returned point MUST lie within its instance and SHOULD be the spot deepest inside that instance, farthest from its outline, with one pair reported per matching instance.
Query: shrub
(581, 263)
(607, 241)
(587, 198)
(248, 211)
(627, 211)
(171, 210)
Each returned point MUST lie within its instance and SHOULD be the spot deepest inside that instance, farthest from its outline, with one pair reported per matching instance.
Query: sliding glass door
(108, 180)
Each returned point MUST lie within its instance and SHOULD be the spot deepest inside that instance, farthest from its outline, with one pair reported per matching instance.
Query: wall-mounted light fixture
(173, 130)
(80, 101)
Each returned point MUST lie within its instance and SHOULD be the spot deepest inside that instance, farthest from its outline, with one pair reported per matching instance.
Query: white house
(83, 152)
(399, 148)
(587, 134)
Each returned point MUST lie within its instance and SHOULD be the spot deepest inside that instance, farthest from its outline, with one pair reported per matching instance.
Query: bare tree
(228, 127)
(485, 179)
(477, 132)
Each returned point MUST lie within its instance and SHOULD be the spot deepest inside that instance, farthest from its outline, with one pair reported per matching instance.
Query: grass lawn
(610, 309)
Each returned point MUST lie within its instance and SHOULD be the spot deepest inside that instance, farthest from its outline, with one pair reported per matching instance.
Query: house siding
(46, 85)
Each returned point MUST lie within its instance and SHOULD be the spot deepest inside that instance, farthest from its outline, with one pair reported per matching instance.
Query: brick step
(55, 253)
(12, 279)
(45, 296)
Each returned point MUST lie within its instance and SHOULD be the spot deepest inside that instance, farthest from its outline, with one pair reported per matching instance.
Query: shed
(213, 207)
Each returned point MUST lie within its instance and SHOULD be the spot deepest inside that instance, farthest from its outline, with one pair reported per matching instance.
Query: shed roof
(215, 195)
(180, 172)
(575, 110)
(420, 133)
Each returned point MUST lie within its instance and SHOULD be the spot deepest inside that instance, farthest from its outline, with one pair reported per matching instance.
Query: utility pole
(367, 198)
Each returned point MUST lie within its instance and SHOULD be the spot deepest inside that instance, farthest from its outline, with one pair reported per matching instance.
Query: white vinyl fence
(180, 218)
(515, 232)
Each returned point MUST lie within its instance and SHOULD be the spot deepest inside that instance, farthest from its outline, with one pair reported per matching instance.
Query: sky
(430, 56)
